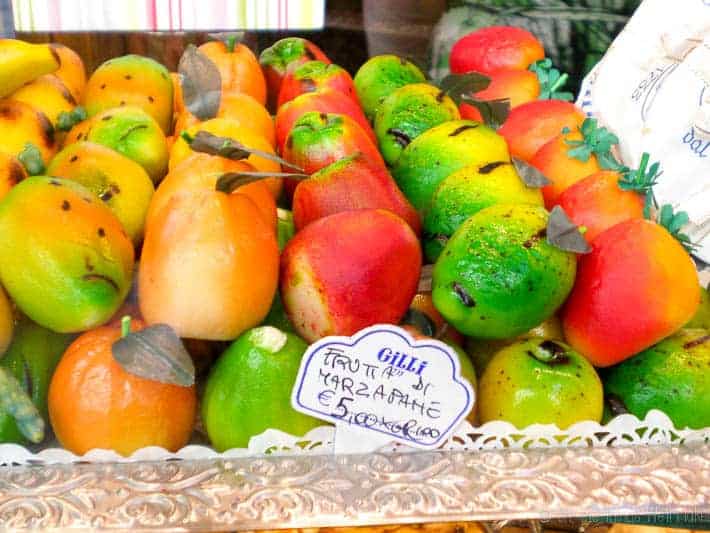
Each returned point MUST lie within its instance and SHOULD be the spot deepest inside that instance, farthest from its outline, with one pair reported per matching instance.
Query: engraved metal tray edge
(352, 490)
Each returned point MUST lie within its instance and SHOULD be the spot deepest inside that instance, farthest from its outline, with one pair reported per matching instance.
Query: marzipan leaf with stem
(459, 85)
(595, 140)
(231, 181)
(643, 179)
(206, 142)
(155, 353)
(493, 112)
(230, 38)
(564, 234)
(17, 403)
(551, 81)
(31, 159)
(201, 83)
(531, 176)
(674, 223)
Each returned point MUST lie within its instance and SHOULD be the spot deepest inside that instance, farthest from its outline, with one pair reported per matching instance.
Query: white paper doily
(624, 430)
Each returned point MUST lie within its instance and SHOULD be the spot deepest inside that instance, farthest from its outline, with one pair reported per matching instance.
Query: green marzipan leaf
(460, 85)
(68, 119)
(551, 80)
(17, 403)
(231, 181)
(595, 140)
(31, 159)
(674, 223)
(493, 112)
(564, 234)
(530, 175)
(206, 142)
(201, 83)
(155, 353)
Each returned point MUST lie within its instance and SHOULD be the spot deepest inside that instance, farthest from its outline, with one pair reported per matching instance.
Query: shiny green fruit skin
(498, 276)
(672, 376)
(31, 358)
(134, 133)
(442, 150)
(481, 351)
(379, 76)
(407, 113)
(467, 191)
(702, 315)
(249, 389)
(67, 262)
(521, 389)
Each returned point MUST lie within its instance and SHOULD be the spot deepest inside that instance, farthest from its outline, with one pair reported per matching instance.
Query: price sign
(384, 386)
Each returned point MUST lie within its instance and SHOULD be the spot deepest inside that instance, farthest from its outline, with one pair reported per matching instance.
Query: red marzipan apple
(348, 271)
(351, 183)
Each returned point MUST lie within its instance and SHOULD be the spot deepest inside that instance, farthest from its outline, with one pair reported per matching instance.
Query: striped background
(167, 15)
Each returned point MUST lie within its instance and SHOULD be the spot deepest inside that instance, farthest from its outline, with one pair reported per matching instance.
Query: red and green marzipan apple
(283, 55)
(323, 101)
(348, 271)
(319, 139)
(495, 48)
(351, 183)
(519, 86)
(315, 75)
(637, 286)
(598, 203)
(532, 125)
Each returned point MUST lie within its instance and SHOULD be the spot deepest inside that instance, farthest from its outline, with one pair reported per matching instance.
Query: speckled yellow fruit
(122, 184)
(21, 123)
(67, 262)
(132, 80)
(131, 132)
(47, 94)
(11, 173)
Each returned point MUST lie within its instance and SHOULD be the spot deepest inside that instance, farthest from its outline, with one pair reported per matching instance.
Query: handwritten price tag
(381, 386)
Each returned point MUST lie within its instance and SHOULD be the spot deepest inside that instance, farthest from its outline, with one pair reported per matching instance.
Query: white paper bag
(652, 89)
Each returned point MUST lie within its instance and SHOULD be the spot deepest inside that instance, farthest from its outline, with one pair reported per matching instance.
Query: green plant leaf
(155, 353)
(564, 234)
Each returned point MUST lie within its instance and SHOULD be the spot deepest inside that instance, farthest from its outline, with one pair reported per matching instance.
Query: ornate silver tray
(316, 490)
